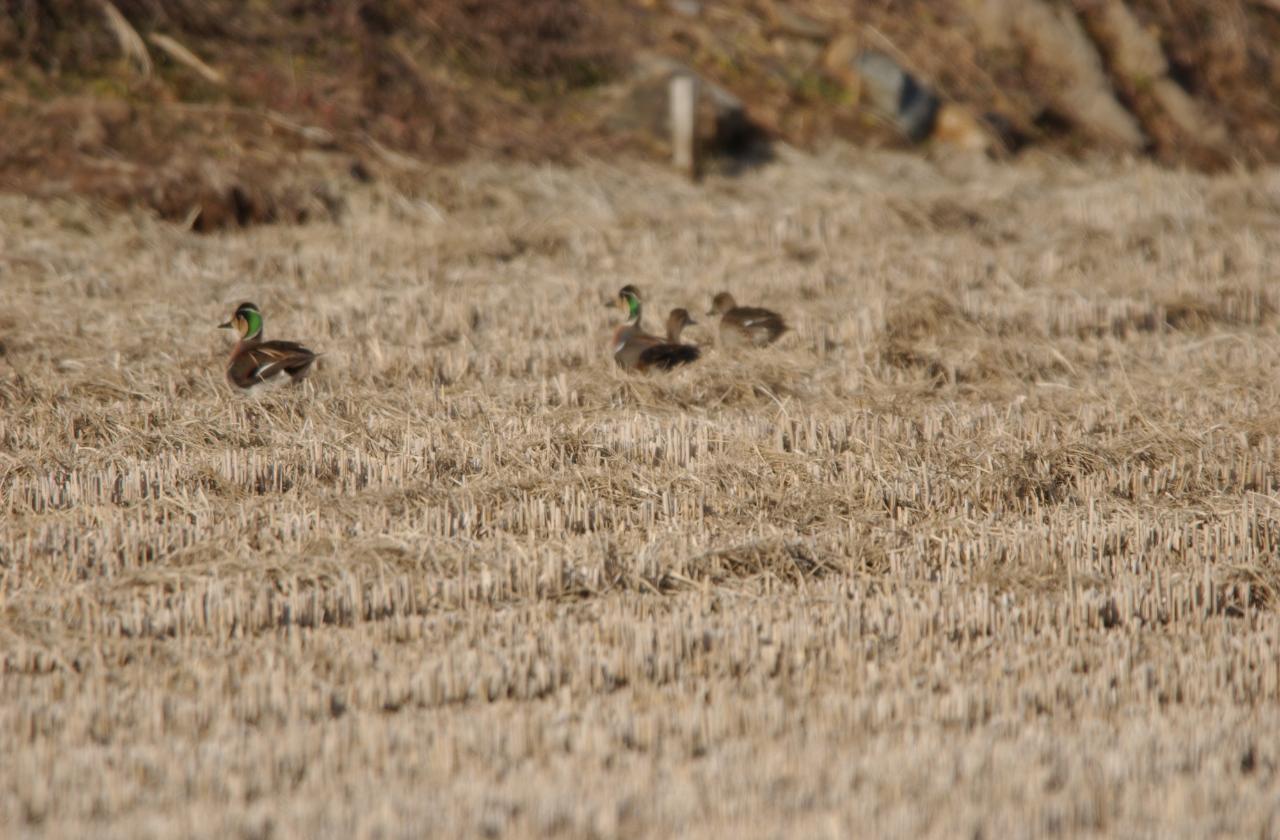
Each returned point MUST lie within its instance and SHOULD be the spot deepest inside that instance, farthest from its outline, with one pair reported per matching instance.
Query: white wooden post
(684, 118)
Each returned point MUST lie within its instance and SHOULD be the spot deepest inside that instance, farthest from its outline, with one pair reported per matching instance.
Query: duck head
(247, 322)
(722, 303)
(629, 298)
(677, 320)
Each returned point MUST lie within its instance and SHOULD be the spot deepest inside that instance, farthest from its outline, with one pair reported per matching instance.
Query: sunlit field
(986, 545)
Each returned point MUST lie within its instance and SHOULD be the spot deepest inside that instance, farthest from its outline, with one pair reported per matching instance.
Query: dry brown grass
(986, 546)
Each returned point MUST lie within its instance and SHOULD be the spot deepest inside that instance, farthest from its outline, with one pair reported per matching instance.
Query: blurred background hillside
(224, 112)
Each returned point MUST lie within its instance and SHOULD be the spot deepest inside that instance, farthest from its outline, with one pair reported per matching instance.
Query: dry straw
(986, 544)
(131, 43)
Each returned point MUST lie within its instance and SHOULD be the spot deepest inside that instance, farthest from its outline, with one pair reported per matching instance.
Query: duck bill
(228, 325)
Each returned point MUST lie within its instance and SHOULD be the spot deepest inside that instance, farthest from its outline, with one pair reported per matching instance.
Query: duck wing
(762, 326)
(259, 363)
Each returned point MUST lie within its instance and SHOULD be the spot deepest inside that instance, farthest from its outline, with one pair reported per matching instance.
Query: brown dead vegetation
(224, 114)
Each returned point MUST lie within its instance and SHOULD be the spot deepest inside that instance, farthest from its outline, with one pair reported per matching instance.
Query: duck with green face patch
(258, 365)
(635, 349)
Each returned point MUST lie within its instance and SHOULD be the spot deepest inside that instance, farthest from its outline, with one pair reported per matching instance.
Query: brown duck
(635, 349)
(746, 324)
(258, 365)
(677, 320)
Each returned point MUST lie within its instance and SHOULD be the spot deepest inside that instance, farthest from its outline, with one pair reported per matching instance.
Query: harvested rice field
(985, 546)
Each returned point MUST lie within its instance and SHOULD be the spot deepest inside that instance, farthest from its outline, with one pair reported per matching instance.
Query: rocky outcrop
(1138, 63)
(1056, 46)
